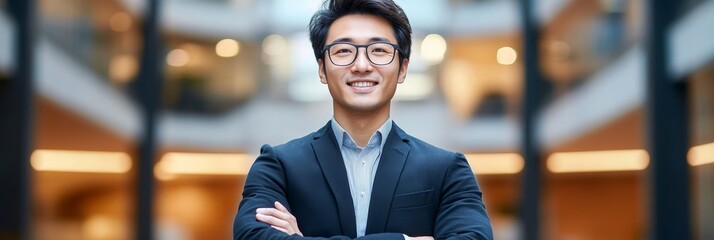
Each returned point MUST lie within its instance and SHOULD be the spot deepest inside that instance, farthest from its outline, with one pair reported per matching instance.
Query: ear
(321, 71)
(403, 71)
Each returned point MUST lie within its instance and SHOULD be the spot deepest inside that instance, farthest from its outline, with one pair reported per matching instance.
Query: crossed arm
(281, 219)
(264, 186)
(461, 212)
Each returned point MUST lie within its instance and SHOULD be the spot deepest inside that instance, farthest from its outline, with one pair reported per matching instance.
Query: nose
(362, 63)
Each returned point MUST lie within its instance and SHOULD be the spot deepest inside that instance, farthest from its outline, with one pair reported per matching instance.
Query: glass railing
(105, 37)
(587, 37)
(101, 36)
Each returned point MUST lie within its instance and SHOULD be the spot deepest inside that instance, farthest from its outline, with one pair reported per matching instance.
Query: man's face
(361, 86)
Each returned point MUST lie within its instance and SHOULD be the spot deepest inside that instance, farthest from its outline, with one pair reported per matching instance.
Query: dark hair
(334, 9)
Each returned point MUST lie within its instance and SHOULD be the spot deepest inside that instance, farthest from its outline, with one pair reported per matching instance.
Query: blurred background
(618, 143)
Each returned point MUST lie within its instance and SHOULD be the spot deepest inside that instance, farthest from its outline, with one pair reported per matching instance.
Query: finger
(287, 221)
(271, 220)
(275, 213)
(291, 219)
(280, 207)
(277, 223)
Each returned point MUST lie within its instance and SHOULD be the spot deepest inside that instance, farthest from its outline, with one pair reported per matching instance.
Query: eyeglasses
(378, 53)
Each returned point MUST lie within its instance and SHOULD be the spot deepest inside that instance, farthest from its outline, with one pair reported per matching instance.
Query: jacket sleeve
(461, 214)
(265, 184)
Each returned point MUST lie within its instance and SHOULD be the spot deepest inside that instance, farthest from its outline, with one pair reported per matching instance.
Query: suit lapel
(330, 159)
(391, 163)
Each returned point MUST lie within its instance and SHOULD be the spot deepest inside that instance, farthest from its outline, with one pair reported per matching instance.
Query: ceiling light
(433, 48)
(204, 163)
(598, 161)
(274, 45)
(506, 56)
(123, 68)
(495, 163)
(702, 154)
(177, 58)
(227, 48)
(80, 161)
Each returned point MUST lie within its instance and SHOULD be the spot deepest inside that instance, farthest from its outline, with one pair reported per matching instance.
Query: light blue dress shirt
(361, 165)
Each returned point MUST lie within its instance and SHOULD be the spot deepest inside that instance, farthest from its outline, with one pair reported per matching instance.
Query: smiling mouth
(362, 84)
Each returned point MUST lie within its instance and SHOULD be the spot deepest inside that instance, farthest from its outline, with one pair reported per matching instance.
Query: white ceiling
(249, 19)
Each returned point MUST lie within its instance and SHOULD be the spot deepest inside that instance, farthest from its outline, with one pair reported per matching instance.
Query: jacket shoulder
(297, 143)
(425, 147)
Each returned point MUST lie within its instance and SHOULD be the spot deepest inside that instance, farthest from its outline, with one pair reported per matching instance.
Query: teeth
(363, 84)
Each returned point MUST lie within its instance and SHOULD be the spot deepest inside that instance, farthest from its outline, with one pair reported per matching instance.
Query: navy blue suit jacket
(419, 190)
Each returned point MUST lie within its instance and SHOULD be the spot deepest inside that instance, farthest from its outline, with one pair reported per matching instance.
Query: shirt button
(361, 193)
(363, 162)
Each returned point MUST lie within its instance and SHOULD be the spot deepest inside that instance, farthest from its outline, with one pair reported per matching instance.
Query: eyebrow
(351, 40)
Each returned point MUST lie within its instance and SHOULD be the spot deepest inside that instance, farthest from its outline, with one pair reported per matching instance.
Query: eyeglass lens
(342, 54)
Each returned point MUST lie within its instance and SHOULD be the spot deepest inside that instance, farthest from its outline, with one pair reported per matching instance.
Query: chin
(365, 107)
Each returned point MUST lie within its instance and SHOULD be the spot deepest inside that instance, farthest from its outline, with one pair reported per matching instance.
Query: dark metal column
(149, 82)
(532, 94)
(16, 127)
(667, 130)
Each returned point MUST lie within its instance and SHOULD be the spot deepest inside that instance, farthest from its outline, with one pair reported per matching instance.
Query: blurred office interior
(618, 143)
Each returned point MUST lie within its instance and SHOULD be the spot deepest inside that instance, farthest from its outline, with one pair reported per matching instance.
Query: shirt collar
(340, 132)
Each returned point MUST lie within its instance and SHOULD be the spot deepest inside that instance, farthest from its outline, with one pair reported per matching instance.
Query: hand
(278, 218)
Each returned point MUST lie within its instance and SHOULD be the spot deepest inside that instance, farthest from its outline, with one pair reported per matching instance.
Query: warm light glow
(177, 58)
(100, 227)
(183, 205)
(203, 163)
(274, 45)
(506, 56)
(120, 22)
(275, 52)
(80, 161)
(702, 154)
(433, 48)
(123, 68)
(462, 87)
(598, 161)
(495, 163)
(227, 48)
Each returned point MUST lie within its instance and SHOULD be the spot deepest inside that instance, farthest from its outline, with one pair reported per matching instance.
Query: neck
(361, 125)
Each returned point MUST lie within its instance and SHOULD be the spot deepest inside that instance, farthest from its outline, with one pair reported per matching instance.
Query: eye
(343, 51)
(381, 49)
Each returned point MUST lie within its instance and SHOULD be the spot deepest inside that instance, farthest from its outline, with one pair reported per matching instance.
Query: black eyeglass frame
(358, 46)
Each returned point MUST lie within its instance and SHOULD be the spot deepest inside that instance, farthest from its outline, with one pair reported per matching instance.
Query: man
(361, 175)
